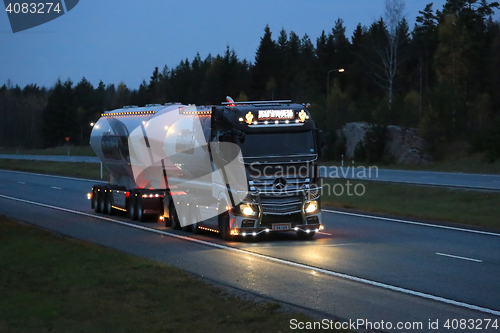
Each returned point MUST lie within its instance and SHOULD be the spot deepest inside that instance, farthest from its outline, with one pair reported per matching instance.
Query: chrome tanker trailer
(239, 169)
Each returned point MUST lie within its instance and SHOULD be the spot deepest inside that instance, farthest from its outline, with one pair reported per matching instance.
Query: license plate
(282, 226)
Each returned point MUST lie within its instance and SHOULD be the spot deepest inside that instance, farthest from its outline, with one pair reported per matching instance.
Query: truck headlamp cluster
(248, 209)
(311, 207)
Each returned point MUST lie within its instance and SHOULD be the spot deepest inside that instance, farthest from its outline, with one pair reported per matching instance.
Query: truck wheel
(174, 219)
(305, 235)
(224, 229)
(96, 192)
(132, 206)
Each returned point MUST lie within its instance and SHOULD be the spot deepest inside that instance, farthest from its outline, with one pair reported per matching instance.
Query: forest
(442, 77)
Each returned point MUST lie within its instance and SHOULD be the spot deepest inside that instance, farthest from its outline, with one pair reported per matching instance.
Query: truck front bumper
(245, 226)
(257, 231)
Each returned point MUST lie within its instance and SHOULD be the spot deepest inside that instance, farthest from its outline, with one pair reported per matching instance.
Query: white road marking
(411, 222)
(269, 258)
(323, 233)
(21, 183)
(55, 188)
(457, 257)
(54, 176)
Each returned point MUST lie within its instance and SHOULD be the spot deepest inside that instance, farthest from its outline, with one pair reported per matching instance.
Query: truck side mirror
(319, 139)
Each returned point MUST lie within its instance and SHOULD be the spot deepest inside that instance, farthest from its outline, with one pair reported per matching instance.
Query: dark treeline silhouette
(442, 77)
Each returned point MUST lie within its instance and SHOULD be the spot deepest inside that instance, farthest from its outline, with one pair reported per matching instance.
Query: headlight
(311, 207)
(248, 210)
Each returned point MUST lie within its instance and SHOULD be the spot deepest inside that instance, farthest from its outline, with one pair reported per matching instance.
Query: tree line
(442, 76)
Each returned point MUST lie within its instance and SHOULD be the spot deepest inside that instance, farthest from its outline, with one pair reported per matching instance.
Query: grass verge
(73, 151)
(475, 208)
(50, 283)
(79, 170)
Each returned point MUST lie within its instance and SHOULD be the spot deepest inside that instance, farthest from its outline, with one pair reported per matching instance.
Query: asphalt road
(434, 178)
(360, 268)
(448, 179)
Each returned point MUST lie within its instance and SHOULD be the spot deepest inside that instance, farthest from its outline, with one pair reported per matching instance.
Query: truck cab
(280, 147)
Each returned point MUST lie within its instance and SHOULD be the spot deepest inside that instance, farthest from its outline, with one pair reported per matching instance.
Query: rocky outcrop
(402, 145)
(405, 146)
(354, 133)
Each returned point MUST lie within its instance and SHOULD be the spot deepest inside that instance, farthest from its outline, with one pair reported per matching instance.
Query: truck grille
(281, 204)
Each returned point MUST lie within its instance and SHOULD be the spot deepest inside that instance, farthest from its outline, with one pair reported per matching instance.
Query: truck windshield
(277, 144)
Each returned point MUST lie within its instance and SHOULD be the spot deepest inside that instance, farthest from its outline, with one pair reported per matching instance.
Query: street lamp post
(340, 70)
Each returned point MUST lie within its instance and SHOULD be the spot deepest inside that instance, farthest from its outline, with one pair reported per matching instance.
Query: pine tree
(265, 65)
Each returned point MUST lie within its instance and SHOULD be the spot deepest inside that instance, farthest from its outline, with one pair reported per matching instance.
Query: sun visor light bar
(233, 103)
(193, 109)
(275, 117)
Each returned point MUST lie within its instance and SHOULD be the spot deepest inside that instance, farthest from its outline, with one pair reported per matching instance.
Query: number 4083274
(471, 324)
(33, 8)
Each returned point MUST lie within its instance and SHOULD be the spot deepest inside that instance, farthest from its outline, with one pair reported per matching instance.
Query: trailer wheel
(194, 218)
(184, 220)
(140, 210)
(101, 200)
(132, 205)
(224, 229)
(174, 219)
(109, 202)
(96, 192)
(104, 200)
(305, 235)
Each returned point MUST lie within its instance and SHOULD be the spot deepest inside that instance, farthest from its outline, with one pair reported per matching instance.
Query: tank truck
(239, 169)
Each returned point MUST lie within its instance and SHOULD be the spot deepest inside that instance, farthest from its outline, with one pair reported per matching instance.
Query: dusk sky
(116, 41)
